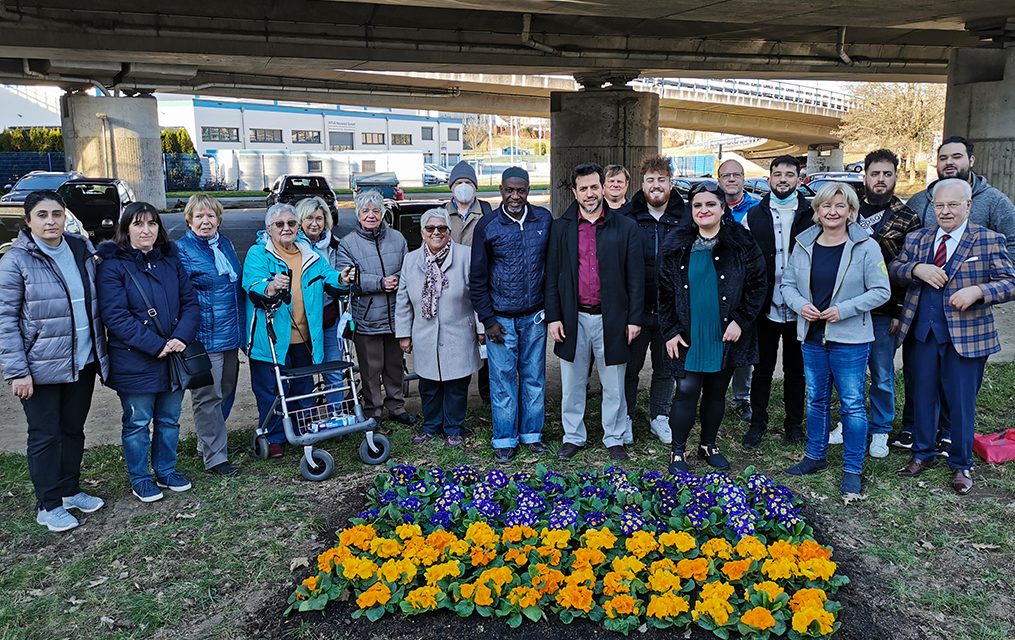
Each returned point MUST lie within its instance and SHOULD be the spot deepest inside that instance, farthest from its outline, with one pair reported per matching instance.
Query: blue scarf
(222, 263)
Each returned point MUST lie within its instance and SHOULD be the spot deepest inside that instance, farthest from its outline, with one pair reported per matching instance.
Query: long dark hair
(135, 211)
(35, 197)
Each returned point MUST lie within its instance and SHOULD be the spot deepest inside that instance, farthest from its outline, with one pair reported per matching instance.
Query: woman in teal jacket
(281, 266)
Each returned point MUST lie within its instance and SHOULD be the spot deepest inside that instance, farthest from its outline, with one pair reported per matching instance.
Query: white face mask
(464, 192)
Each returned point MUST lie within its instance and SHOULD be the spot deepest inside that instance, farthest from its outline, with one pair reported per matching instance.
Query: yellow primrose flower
(358, 569)
(779, 569)
(718, 610)
(717, 548)
(696, 568)
(808, 598)
(805, 619)
(329, 558)
(615, 582)
(406, 531)
(558, 538)
(423, 598)
(499, 576)
(518, 555)
(438, 572)
(679, 540)
(751, 547)
(517, 533)
(662, 581)
(441, 539)
(772, 589)
(551, 553)
(623, 605)
(817, 569)
(582, 576)
(481, 557)
(377, 594)
(524, 597)
(588, 558)
(600, 539)
(663, 565)
(629, 565)
(574, 597)
(667, 606)
(385, 547)
(483, 596)
(641, 543)
(759, 617)
(782, 549)
(310, 583)
(358, 536)
(735, 569)
(716, 591)
(482, 535)
(548, 580)
(809, 549)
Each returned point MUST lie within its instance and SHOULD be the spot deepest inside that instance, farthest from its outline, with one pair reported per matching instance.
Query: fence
(14, 164)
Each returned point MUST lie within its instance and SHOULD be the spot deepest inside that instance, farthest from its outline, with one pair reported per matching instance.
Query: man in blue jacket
(506, 286)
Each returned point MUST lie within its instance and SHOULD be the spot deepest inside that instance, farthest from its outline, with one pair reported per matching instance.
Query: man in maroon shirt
(594, 295)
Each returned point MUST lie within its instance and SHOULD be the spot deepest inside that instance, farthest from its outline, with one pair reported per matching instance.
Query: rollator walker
(335, 412)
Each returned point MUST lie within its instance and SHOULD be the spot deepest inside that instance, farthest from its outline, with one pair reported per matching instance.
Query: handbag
(188, 369)
(995, 448)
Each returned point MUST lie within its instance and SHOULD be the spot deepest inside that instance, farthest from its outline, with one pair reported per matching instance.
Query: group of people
(707, 289)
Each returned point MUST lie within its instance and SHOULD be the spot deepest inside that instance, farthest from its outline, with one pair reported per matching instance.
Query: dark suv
(97, 203)
(36, 181)
(291, 189)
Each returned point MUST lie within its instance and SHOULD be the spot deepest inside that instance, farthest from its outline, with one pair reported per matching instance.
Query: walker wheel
(324, 466)
(260, 447)
(377, 455)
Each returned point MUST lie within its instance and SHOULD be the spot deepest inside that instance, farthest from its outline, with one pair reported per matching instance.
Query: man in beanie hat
(506, 286)
(464, 209)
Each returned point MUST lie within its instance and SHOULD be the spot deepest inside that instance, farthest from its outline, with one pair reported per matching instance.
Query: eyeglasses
(282, 224)
(441, 229)
(727, 176)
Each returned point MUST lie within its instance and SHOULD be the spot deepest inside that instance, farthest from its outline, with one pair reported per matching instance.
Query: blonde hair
(201, 201)
(829, 191)
(306, 206)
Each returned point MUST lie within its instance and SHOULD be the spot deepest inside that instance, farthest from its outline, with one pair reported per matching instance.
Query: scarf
(434, 280)
(222, 264)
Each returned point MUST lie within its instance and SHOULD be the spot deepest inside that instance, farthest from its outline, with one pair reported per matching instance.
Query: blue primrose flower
(630, 522)
(438, 475)
(521, 477)
(593, 491)
(464, 475)
(594, 518)
(387, 497)
(402, 474)
(408, 518)
(496, 478)
(411, 503)
(441, 518)
(562, 518)
(520, 517)
(369, 514)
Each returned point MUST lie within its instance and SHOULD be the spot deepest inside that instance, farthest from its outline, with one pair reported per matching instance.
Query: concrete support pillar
(107, 137)
(824, 157)
(981, 107)
(607, 126)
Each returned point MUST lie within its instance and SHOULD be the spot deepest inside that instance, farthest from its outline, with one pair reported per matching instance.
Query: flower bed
(724, 554)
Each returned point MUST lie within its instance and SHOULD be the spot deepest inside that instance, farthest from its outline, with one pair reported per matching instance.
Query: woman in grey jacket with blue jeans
(51, 347)
(835, 277)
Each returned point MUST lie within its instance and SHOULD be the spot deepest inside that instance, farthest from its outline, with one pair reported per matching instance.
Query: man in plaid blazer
(954, 273)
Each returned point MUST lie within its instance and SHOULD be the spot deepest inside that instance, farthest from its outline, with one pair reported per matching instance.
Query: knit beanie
(463, 170)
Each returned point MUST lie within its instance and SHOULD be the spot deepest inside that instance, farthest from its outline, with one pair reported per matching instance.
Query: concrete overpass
(308, 48)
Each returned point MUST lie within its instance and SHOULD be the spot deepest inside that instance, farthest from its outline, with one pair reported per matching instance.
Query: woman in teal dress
(711, 288)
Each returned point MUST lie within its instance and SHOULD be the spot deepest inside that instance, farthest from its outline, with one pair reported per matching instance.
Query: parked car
(817, 180)
(855, 167)
(404, 216)
(685, 184)
(386, 182)
(97, 203)
(36, 181)
(759, 187)
(290, 189)
(12, 221)
(434, 174)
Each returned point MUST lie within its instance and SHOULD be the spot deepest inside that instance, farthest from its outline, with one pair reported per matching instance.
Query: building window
(306, 136)
(220, 134)
(427, 157)
(340, 140)
(401, 138)
(369, 166)
(266, 135)
(373, 138)
(314, 166)
(453, 135)
(427, 133)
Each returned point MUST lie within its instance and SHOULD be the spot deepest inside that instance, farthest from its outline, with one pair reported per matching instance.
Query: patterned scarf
(434, 280)
(222, 264)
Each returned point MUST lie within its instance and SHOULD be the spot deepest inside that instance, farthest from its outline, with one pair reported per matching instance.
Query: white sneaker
(879, 445)
(628, 430)
(835, 435)
(660, 427)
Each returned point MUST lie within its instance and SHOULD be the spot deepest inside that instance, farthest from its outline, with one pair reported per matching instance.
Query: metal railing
(36, 95)
(776, 91)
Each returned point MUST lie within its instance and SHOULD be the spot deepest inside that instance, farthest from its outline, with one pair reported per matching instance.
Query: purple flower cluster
(402, 474)
(594, 519)
(464, 475)
(520, 517)
(562, 517)
(630, 522)
(594, 491)
(496, 478)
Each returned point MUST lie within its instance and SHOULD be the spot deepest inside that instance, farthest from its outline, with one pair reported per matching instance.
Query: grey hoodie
(861, 285)
(991, 209)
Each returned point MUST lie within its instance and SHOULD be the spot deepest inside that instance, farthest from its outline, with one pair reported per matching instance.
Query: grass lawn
(217, 561)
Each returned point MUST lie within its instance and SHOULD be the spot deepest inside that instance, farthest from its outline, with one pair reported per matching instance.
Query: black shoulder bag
(188, 369)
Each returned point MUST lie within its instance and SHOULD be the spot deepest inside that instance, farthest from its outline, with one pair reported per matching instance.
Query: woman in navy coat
(141, 257)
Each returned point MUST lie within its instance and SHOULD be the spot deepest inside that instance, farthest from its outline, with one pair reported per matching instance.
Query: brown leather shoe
(915, 467)
(568, 451)
(962, 482)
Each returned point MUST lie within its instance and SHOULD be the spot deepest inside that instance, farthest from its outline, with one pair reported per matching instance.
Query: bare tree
(474, 131)
(897, 116)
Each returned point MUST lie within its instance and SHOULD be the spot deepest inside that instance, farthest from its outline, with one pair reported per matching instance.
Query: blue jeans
(845, 366)
(333, 352)
(518, 381)
(262, 382)
(139, 411)
(882, 369)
